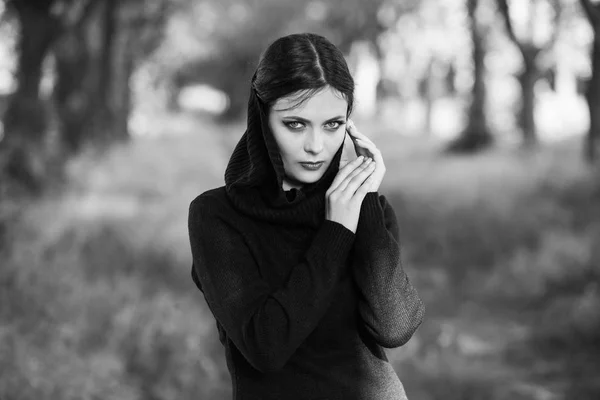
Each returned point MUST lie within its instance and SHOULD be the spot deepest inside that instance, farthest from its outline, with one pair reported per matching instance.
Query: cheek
(279, 137)
(288, 147)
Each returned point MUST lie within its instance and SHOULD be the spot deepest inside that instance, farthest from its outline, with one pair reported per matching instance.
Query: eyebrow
(339, 117)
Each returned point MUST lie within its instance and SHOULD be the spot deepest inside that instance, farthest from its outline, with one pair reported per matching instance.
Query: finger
(355, 133)
(358, 180)
(371, 148)
(358, 149)
(365, 188)
(359, 141)
(357, 170)
(343, 173)
(365, 143)
(363, 151)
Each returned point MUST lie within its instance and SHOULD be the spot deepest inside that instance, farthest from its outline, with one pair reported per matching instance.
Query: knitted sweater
(303, 306)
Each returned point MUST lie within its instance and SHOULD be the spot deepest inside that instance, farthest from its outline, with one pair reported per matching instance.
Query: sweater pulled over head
(255, 174)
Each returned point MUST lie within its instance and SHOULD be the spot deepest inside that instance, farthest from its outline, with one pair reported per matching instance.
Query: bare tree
(95, 45)
(22, 149)
(26, 159)
(95, 60)
(532, 71)
(591, 148)
(476, 134)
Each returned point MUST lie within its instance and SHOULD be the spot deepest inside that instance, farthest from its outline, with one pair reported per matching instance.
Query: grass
(97, 302)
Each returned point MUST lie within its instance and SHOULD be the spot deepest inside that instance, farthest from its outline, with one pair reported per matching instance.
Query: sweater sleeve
(389, 306)
(266, 324)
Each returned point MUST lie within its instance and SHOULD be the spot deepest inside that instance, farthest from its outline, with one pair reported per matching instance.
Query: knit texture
(254, 177)
(303, 306)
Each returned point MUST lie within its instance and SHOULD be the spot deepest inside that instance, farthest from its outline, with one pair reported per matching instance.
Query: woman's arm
(389, 306)
(267, 325)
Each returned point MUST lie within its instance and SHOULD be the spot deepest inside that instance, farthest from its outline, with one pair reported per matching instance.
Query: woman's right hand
(344, 197)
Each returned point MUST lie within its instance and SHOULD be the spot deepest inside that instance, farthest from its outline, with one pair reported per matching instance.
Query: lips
(312, 166)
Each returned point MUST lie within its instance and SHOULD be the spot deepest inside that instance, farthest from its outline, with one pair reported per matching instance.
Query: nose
(313, 143)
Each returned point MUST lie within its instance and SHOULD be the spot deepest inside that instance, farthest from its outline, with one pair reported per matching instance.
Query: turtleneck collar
(255, 173)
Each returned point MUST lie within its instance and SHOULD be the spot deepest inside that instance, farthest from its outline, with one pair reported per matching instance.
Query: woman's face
(311, 132)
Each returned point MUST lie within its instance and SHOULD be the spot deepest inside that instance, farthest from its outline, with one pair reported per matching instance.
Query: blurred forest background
(116, 114)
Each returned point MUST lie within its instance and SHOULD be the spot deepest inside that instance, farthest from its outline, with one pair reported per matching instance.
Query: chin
(305, 177)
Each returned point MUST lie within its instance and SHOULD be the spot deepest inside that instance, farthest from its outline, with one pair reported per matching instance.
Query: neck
(289, 183)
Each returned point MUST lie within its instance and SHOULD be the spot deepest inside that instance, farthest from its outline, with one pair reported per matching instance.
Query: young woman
(298, 256)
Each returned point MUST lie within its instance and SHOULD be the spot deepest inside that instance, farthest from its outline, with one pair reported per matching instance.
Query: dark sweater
(303, 313)
(303, 306)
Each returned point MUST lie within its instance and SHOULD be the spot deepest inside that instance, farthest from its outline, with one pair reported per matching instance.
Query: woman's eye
(293, 125)
(334, 124)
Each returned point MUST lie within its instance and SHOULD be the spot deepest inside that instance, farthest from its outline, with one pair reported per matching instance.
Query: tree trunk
(22, 151)
(531, 72)
(73, 92)
(476, 134)
(429, 98)
(102, 115)
(92, 90)
(527, 80)
(119, 98)
(116, 67)
(593, 98)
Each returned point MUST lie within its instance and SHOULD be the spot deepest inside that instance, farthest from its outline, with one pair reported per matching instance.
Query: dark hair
(302, 64)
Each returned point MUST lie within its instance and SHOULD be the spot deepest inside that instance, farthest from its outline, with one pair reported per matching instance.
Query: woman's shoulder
(212, 195)
(213, 204)
(215, 199)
